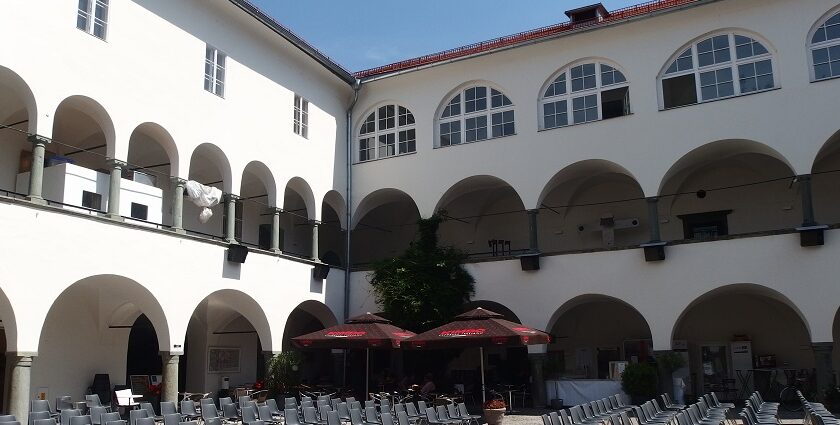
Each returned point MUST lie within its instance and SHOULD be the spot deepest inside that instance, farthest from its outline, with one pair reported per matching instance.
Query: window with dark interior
(584, 93)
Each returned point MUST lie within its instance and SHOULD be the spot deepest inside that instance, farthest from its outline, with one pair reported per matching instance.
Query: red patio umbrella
(481, 328)
(365, 331)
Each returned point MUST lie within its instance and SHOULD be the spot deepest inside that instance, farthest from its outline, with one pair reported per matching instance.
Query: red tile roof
(615, 16)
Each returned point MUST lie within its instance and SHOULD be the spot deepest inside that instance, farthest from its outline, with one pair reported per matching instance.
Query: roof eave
(296, 41)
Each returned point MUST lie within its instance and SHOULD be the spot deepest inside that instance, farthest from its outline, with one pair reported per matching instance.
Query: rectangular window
(301, 118)
(408, 141)
(450, 133)
(386, 117)
(705, 226)
(92, 200)
(406, 118)
(475, 99)
(714, 50)
(716, 84)
(585, 108)
(826, 62)
(755, 76)
(615, 103)
(679, 91)
(556, 114)
(139, 211)
(366, 149)
(214, 71)
(583, 77)
(92, 17)
(476, 128)
(387, 144)
(503, 124)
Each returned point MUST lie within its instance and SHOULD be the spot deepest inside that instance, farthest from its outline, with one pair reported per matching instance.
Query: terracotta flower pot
(494, 416)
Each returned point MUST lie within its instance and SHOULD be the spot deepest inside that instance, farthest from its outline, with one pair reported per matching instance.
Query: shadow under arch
(377, 199)
(229, 304)
(11, 81)
(208, 153)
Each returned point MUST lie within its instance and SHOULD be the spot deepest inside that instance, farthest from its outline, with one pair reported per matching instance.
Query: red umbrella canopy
(364, 331)
(479, 327)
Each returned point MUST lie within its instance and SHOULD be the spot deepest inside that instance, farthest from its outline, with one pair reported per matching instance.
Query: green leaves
(427, 285)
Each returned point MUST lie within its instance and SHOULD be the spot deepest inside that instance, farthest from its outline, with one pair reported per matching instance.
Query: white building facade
(670, 171)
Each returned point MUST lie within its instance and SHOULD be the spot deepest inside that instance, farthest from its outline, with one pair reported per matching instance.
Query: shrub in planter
(494, 411)
(639, 381)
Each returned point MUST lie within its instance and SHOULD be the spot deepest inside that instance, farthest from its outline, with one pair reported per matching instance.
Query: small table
(510, 390)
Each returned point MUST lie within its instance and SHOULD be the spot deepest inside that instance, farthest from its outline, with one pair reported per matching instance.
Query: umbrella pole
(367, 373)
(483, 396)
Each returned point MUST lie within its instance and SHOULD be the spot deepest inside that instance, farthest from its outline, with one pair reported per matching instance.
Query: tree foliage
(427, 285)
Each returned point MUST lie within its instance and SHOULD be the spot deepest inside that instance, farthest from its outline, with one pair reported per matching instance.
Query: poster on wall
(222, 360)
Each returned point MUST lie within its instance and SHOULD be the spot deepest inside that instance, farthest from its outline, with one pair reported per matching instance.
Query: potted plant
(494, 411)
(282, 374)
(639, 382)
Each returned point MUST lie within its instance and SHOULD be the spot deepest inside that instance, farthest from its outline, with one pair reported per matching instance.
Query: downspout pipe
(357, 85)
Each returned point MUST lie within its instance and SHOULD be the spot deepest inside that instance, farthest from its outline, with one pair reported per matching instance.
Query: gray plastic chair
(171, 419)
(291, 417)
(273, 408)
(332, 418)
(385, 417)
(119, 422)
(48, 421)
(63, 402)
(110, 417)
(134, 415)
(213, 421)
(34, 416)
(209, 411)
(402, 418)
(289, 403)
(67, 414)
(96, 413)
(145, 421)
(8, 418)
(38, 405)
(92, 400)
(254, 423)
(310, 417)
(80, 420)
(371, 418)
(188, 411)
(264, 414)
(168, 408)
(188, 423)
(249, 414)
(343, 411)
(229, 412)
(356, 417)
(150, 410)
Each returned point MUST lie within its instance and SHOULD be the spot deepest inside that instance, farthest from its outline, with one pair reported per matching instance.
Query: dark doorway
(143, 352)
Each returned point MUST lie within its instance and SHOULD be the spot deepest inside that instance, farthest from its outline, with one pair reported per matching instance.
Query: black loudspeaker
(814, 236)
(320, 271)
(530, 262)
(654, 252)
(236, 253)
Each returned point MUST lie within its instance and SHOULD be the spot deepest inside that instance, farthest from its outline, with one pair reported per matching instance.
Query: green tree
(427, 285)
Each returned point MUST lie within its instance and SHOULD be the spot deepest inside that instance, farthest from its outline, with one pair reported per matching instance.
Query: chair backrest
(39, 405)
(188, 408)
(309, 415)
(587, 412)
(249, 414)
(554, 418)
(305, 398)
(92, 400)
(386, 418)
(117, 422)
(48, 421)
(245, 401)
(291, 416)
(402, 418)
(384, 405)
(564, 417)
(225, 400)
(576, 414)
(596, 410)
(67, 414)
(431, 416)
(343, 410)
(546, 420)
(452, 410)
(96, 413)
(209, 411)
(81, 420)
(63, 402)
(189, 423)
(410, 409)
(213, 421)
(332, 418)
(272, 406)
(150, 421)
(369, 403)
(639, 414)
(350, 399)
(8, 418)
(134, 415)
(421, 406)
(370, 414)
(682, 419)
(323, 410)
(442, 414)
(148, 408)
(625, 418)
(264, 413)
(356, 417)
(167, 408)
(229, 411)
(110, 417)
(290, 402)
(171, 419)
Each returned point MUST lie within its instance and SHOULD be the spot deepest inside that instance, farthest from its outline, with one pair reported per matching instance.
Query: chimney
(595, 11)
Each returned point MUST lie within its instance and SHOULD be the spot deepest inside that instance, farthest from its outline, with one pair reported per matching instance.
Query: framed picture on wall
(222, 360)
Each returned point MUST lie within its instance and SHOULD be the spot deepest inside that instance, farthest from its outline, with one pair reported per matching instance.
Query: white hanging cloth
(203, 196)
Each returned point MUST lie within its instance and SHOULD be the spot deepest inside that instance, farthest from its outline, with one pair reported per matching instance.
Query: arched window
(387, 131)
(474, 114)
(825, 49)
(720, 66)
(584, 93)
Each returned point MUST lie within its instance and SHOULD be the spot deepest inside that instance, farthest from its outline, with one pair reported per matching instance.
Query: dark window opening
(265, 236)
(615, 103)
(92, 200)
(705, 226)
(139, 211)
(679, 91)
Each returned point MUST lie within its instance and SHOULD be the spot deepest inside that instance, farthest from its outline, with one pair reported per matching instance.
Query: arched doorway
(737, 328)
(317, 366)
(152, 159)
(590, 331)
(18, 111)
(143, 356)
(296, 222)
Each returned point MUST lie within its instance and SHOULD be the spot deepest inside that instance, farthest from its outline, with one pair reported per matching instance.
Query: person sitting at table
(428, 385)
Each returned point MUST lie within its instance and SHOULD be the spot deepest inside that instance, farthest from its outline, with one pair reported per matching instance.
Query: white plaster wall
(648, 142)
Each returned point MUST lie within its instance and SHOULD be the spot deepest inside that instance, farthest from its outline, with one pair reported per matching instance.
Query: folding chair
(80, 420)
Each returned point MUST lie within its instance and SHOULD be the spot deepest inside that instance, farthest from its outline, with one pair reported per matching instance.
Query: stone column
(807, 201)
(19, 393)
(822, 364)
(114, 188)
(538, 395)
(230, 217)
(169, 392)
(315, 240)
(653, 219)
(178, 204)
(275, 230)
(36, 173)
(533, 242)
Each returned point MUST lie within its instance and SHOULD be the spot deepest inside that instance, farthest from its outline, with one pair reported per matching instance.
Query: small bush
(639, 380)
(495, 404)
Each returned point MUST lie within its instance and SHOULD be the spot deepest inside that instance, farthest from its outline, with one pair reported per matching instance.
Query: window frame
(392, 135)
(218, 62)
(569, 95)
(300, 116)
(825, 44)
(733, 64)
(89, 14)
(462, 117)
